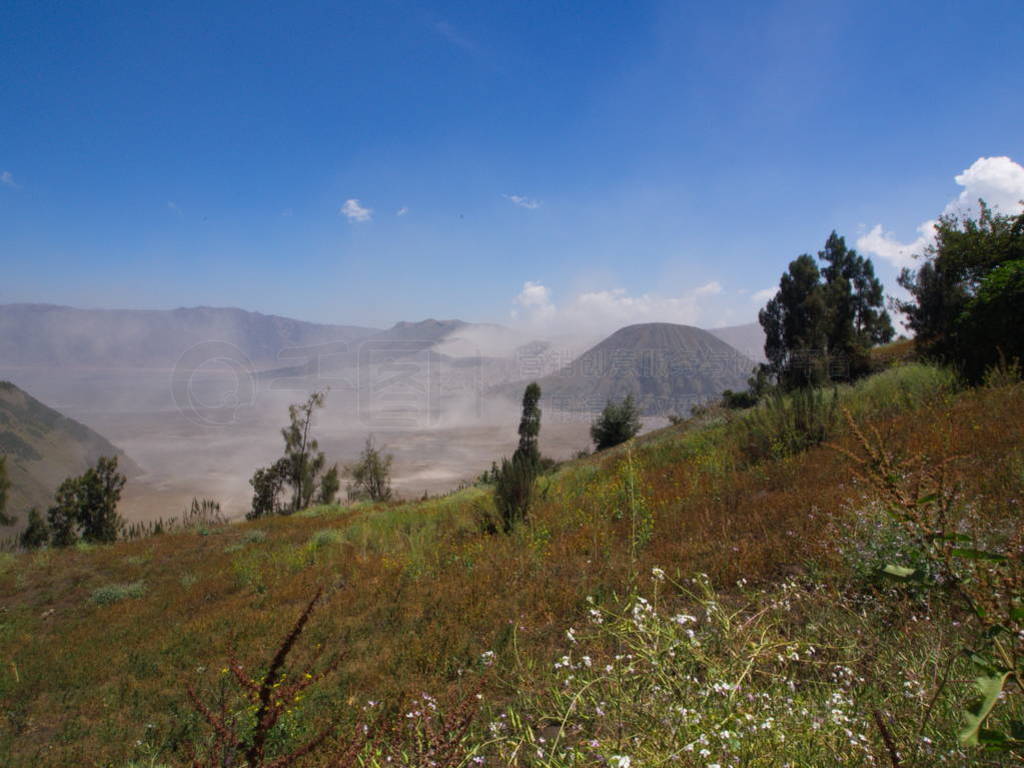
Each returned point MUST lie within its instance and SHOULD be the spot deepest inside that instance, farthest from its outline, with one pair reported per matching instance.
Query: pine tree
(86, 506)
(37, 533)
(63, 515)
(821, 323)
(5, 485)
(513, 491)
(529, 427)
(100, 491)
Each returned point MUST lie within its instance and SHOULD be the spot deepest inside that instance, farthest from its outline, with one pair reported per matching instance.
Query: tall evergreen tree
(5, 485)
(821, 322)
(100, 490)
(529, 427)
(36, 533)
(63, 515)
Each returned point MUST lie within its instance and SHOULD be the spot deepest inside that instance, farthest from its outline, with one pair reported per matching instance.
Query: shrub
(717, 681)
(513, 491)
(371, 475)
(784, 425)
(268, 697)
(617, 423)
(325, 538)
(203, 513)
(115, 593)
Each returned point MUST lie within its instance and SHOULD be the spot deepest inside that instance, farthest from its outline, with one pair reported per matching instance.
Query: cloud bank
(999, 181)
(601, 312)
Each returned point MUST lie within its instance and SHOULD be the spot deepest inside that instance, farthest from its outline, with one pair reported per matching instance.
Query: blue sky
(572, 163)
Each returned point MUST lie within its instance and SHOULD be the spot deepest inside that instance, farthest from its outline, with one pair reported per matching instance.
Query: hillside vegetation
(708, 594)
(42, 448)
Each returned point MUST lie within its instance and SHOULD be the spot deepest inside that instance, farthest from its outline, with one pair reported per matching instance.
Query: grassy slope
(416, 594)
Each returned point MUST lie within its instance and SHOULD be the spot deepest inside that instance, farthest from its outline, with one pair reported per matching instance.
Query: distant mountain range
(43, 447)
(747, 339)
(666, 367)
(53, 336)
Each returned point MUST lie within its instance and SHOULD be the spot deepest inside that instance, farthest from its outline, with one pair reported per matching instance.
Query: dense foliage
(821, 323)
(5, 485)
(617, 423)
(966, 297)
(514, 478)
(85, 507)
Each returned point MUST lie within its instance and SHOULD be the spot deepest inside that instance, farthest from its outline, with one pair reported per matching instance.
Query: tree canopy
(966, 297)
(822, 321)
(617, 423)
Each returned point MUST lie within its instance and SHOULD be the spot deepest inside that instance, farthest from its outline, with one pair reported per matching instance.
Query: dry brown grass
(82, 682)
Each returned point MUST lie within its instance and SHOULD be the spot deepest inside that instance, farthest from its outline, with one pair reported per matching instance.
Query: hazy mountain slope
(747, 339)
(43, 447)
(46, 335)
(666, 367)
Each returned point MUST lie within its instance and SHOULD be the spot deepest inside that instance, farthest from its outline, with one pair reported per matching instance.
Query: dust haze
(202, 431)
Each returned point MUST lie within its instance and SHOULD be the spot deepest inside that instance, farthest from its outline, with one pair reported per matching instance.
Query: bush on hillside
(617, 423)
(36, 533)
(513, 491)
(371, 475)
(784, 425)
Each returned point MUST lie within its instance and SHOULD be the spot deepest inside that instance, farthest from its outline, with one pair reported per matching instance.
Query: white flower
(620, 761)
(657, 574)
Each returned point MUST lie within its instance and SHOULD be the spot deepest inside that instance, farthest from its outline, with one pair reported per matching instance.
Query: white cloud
(402, 211)
(534, 304)
(601, 312)
(999, 181)
(523, 202)
(883, 244)
(763, 296)
(353, 211)
(7, 179)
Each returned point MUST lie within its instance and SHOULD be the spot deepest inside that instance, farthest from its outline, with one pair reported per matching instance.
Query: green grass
(417, 595)
(115, 593)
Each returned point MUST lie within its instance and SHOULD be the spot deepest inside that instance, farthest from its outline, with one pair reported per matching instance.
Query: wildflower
(620, 761)
(657, 574)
